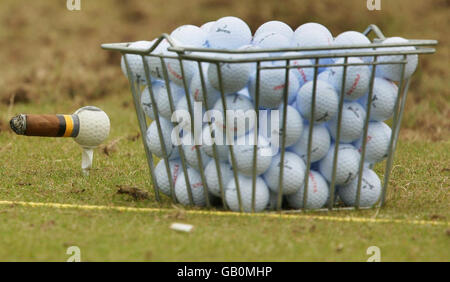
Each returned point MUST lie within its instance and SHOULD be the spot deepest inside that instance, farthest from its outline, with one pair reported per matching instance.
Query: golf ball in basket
(357, 78)
(240, 115)
(271, 40)
(235, 76)
(370, 190)
(320, 143)
(191, 148)
(347, 164)
(272, 85)
(162, 97)
(275, 26)
(384, 96)
(326, 101)
(190, 35)
(352, 123)
(303, 72)
(353, 38)
(245, 189)
(155, 66)
(293, 126)
(146, 103)
(153, 139)
(243, 154)
(215, 135)
(196, 90)
(212, 178)
(378, 139)
(313, 35)
(196, 186)
(207, 27)
(135, 61)
(229, 33)
(394, 71)
(162, 178)
(293, 173)
(317, 195)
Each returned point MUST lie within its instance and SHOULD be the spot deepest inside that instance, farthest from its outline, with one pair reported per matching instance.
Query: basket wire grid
(195, 54)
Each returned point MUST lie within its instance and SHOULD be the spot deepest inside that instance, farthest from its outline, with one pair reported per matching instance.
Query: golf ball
(320, 143)
(317, 194)
(370, 190)
(352, 123)
(347, 164)
(245, 189)
(326, 105)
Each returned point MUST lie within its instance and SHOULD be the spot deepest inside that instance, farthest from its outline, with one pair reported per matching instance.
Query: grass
(56, 66)
(418, 190)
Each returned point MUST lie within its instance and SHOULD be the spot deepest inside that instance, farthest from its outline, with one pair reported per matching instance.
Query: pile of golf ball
(238, 88)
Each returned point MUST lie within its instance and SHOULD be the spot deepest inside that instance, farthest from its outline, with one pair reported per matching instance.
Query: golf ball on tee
(347, 164)
(229, 33)
(245, 189)
(293, 173)
(196, 186)
(370, 190)
(352, 123)
(378, 140)
(161, 177)
(320, 143)
(326, 101)
(317, 195)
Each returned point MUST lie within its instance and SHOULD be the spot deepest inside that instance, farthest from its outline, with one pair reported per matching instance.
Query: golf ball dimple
(320, 143)
(293, 173)
(370, 190)
(245, 189)
(378, 140)
(347, 164)
(326, 105)
(196, 186)
(317, 194)
(352, 123)
(162, 178)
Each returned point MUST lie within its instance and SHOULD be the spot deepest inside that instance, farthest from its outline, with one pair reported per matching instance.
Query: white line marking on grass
(227, 213)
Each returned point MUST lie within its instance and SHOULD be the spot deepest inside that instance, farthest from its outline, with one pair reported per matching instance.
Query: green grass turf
(48, 170)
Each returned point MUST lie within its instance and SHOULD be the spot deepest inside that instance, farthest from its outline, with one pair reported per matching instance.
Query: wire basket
(199, 58)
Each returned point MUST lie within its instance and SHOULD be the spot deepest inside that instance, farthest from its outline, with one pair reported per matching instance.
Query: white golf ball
(293, 126)
(212, 178)
(245, 189)
(317, 195)
(196, 90)
(313, 35)
(215, 135)
(243, 154)
(353, 38)
(272, 85)
(155, 66)
(320, 143)
(190, 35)
(293, 173)
(314, 27)
(352, 123)
(357, 78)
(190, 148)
(229, 33)
(370, 190)
(162, 98)
(135, 61)
(303, 72)
(275, 26)
(326, 101)
(347, 164)
(161, 177)
(240, 115)
(207, 26)
(378, 140)
(153, 139)
(384, 96)
(146, 102)
(196, 186)
(394, 71)
(235, 76)
(271, 40)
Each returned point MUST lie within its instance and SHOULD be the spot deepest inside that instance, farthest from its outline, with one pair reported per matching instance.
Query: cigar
(46, 125)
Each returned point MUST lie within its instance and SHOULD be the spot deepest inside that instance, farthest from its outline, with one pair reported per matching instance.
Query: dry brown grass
(49, 53)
